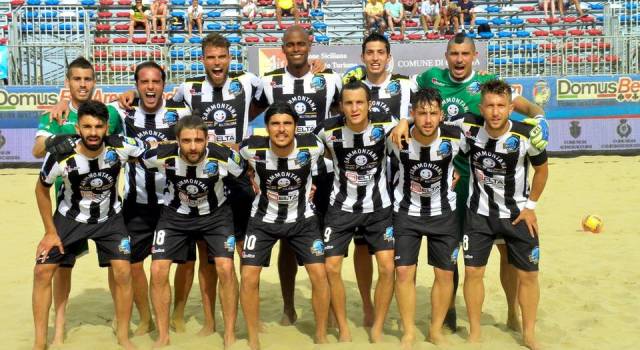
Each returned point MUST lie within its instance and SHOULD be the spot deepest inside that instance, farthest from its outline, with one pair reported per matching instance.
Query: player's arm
(334, 108)
(539, 135)
(539, 181)
(401, 131)
(125, 99)
(46, 128)
(259, 100)
(59, 112)
(50, 170)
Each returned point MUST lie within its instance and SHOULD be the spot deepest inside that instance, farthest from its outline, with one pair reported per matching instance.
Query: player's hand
(400, 132)
(456, 178)
(312, 192)
(61, 144)
(483, 72)
(539, 135)
(529, 217)
(354, 73)
(252, 178)
(126, 99)
(317, 65)
(59, 112)
(47, 243)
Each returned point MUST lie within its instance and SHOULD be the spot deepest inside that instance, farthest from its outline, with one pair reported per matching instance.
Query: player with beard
(284, 163)
(311, 95)
(194, 206)
(89, 207)
(359, 201)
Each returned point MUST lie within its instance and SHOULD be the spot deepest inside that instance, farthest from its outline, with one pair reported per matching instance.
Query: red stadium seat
(587, 19)
(569, 19)
(306, 26)
(268, 26)
(285, 26)
(158, 40)
(119, 53)
(603, 46)
(594, 31)
(103, 27)
(100, 67)
(611, 58)
(119, 67)
(303, 13)
(123, 14)
(100, 54)
(270, 39)
(448, 36)
(540, 33)
(414, 36)
(568, 46)
(105, 14)
(397, 37)
(122, 26)
(432, 36)
(576, 32)
(141, 40)
(593, 58)
(552, 20)
(267, 14)
(555, 59)
(411, 24)
(574, 59)
(534, 20)
(101, 41)
(124, 2)
(120, 40)
(16, 3)
(527, 8)
(251, 39)
(585, 45)
(558, 32)
(4, 41)
(265, 2)
(250, 26)
(139, 54)
(106, 2)
(547, 46)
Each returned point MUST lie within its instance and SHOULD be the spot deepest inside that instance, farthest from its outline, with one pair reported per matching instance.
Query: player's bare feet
(532, 344)
(144, 328)
(513, 323)
(344, 336)
(376, 334)
(437, 338)
(127, 345)
(320, 339)
(58, 338)
(206, 330)
(474, 337)
(254, 345)
(407, 341)
(289, 317)
(229, 340)
(451, 320)
(178, 325)
(367, 318)
(161, 343)
(39, 347)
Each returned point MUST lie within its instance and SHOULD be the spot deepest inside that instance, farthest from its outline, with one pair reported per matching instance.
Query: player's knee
(121, 272)
(224, 268)
(443, 276)
(42, 275)
(386, 270)
(527, 277)
(334, 269)
(473, 273)
(159, 273)
(250, 279)
(404, 274)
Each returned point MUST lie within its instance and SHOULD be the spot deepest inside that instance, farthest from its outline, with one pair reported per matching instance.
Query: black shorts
(303, 236)
(324, 184)
(111, 239)
(340, 227)
(442, 239)
(176, 232)
(79, 249)
(141, 221)
(240, 196)
(480, 233)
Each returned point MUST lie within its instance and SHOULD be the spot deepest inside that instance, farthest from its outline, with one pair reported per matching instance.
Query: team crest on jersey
(303, 157)
(111, 157)
(534, 257)
(377, 133)
(235, 88)
(125, 246)
(318, 82)
(474, 87)
(131, 141)
(230, 243)
(512, 144)
(388, 234)
(393, 88)
(445, 148)
(236, 157)
(317, 248)
(211, 168)
(454, 255)
(170, 117)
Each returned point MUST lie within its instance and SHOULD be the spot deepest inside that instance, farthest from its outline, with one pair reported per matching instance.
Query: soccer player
(311, 95)
(502, 203)
(459, 86)
(194, 205)
(390, 99)
(151, 119)
(89, 208)
(81, 83)
(359, 201)
(284, 163)
(425, 204)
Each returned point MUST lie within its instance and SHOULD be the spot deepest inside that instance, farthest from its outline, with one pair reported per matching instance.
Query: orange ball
(592, 223)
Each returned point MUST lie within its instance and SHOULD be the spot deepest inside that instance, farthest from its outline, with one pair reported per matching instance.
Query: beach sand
(588, 281)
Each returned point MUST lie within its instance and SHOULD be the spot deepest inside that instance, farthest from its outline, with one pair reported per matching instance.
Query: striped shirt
(390, 101)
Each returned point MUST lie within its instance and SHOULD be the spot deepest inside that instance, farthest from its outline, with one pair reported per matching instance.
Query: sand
(589, 298)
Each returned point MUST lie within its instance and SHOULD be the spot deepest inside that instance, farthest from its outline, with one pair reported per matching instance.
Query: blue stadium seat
(31, 14)
(214, 14)
(65, 27)
(91, 14)
(511, 47)
(234, 39)
(235, 53)
(33, 2)
(536, 60)
(88, 2)
(177, 2)
(600, 18)
(625, 19)
(631, 6)
(236, 67)
(195, 53)
(499, 61)
(319, 25)
(178, 13)
(493, 48)
(177, 53)
(213, 2)
(195, 40)
(481, 21)
(498, 21)
(46, 27)
(176, 39)
(27, 27)
(518, 60)
(530, 47)
(197, 66)
(322, 38)
(214, 26)
(516, 21)
(505, 34)
(52, 2)
(523, 34)
(486, 35)
(316, 13)
(176, 67)
(596, 6)
(232, 27)
(492, 9)
(470, 35)
(49, 14)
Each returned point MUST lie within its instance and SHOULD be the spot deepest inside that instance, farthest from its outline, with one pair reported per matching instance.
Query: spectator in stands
(467, 14)
(249, 9)
(430, 15)
(317, 2)
(139, 14)
(545, 6)
(449, 14)
(410, 8)
(374, 15)
(395, 15)
(159, 13)
(562, 4)
(194, 14)
(286, 7)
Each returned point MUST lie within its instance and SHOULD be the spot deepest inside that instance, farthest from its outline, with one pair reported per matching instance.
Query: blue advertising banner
(4, 62)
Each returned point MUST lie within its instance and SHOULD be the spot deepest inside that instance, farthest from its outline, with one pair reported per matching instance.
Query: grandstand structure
(44, 35)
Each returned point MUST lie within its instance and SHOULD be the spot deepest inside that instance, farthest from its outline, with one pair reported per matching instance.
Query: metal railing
(115, 64)
(624, 16)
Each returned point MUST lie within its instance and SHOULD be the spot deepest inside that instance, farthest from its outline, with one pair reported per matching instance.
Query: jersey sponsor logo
(377, 133)
(425, 179)
(125, 246)
(388, 234)
(275, 85)
(512, 144)
(192, 192)
(151, 135)
(489, 162)
(534, 257)
(96, 186)
(454, 106)
(170, 118)
(317, 247)
(474, 87)
(303, 157)
(283, 186)
(220, 115)
(318, 82)
(304, 106)
(358, 179)
(361, 159)
(193, 92)
(235, 88)
(393, 88)
(110, 157)
(491, 181)
(300, 108)
(211, 168)
(378, 106)
(445, 149)
(304, 129)
(230, 243)
(436, 82)
(334, 138)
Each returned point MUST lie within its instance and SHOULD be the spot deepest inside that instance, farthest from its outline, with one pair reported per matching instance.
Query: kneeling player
(501, 203)
(284, 164)
(194, 205)
(425, 204)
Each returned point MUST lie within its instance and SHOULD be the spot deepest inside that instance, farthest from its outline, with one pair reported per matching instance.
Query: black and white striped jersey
(224, 109)
(425, 173)
(284, 182)
(143, 186)
(499, 168)
(89, 192)
(310, 96)
(194, 189)
(359, 164)
(390, 100)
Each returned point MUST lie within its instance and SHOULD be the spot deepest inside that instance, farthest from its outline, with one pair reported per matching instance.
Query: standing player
(501, 203)
(151, 119)
(89, 207)
(81, 83)
(194, 205)
(459, 86)
(359, 201)
(425, 204)
(311, 95)
(390, 99)
(284, 163)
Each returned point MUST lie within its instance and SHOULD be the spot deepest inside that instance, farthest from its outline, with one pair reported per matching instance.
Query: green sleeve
(486, 77)
(46, 125)
(115, 124)
(423, 79)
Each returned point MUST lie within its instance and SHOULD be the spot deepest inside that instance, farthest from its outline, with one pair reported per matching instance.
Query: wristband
(539, 116)
(531, 205)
